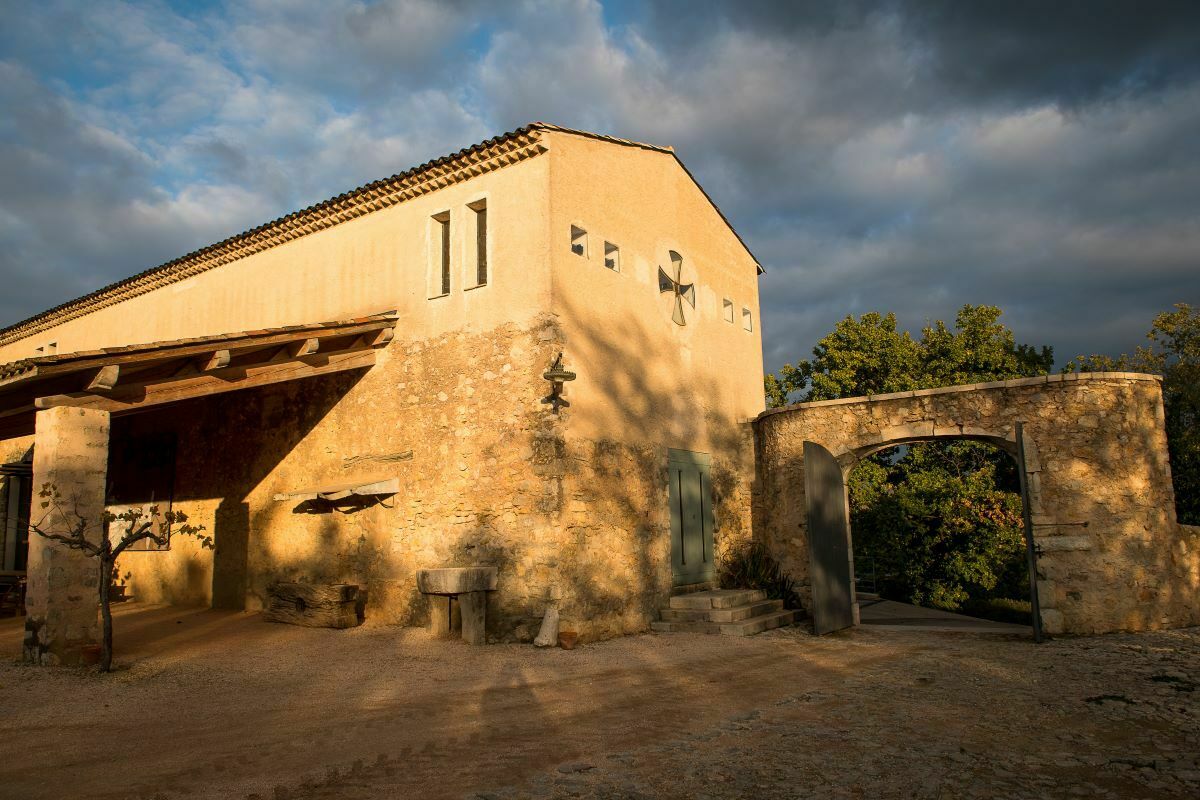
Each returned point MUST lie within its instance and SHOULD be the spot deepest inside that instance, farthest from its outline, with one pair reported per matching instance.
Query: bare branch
(76, 541)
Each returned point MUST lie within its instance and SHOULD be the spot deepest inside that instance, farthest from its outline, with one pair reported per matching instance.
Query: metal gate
(828, 541)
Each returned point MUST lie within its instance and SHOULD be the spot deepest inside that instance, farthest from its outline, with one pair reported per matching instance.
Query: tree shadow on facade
(1110, 554)
(638, 396)
(227, 444)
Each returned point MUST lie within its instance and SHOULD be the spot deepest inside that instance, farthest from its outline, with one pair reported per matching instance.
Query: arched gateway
(1100, 507)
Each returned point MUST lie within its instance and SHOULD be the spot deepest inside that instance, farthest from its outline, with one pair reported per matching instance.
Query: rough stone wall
(1096, 454)
(481, 486)
(71, 456)
(614, 563)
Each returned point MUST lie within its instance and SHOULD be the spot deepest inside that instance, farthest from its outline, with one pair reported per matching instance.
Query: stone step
(718, 598)
(734, 614)
(745, 627)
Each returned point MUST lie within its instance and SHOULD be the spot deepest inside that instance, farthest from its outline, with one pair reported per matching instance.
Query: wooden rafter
(105, 378)
(137, 396)
(128, 379)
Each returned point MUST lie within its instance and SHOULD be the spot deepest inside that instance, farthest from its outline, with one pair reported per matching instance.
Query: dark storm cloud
(1016, 51)
(1044, 157)
(890, 156)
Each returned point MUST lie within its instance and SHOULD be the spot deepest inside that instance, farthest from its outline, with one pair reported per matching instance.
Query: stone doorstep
(746, 627)
(718, 598)
(735, 614)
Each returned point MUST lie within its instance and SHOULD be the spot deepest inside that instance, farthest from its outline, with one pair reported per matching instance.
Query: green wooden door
(690, 496)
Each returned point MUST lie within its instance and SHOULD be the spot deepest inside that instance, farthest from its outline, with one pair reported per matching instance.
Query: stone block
(456, 580)
(445, 617)
(1061, 544)
(474, 617)
(1052, 621)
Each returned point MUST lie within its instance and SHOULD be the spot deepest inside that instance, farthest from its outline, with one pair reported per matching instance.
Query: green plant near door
(752, 566)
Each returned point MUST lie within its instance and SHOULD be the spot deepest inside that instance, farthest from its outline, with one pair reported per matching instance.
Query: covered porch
(58, 414)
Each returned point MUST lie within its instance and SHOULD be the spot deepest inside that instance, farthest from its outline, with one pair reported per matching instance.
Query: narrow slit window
(442, 241)
(747, 321)
(578, 241)
(728, 310)
(481, 243)
(612, 256)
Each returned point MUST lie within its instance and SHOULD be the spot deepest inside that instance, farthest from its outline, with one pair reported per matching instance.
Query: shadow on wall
(642, 389)
(585, 523)
(1101, 459)
(226, 445)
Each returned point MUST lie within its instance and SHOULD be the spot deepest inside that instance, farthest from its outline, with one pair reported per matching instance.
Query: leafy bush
(753, 567)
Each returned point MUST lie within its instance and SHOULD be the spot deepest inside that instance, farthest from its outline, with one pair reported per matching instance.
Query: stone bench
(470, 586)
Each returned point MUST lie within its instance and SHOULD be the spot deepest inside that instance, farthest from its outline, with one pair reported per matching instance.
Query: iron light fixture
(557, 375)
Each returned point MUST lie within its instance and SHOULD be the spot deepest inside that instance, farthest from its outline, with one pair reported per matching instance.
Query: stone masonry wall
(614, 565)
(459, 420)
(1096, 454)
(488, 474)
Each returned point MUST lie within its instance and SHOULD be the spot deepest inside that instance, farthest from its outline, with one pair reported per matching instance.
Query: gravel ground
(219, 705)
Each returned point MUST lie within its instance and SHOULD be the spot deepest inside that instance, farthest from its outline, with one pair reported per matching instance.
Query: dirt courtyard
(222, 705)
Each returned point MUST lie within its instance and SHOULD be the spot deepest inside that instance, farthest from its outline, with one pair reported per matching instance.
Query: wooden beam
(105, 378)
(218, 360)
(134, 397)
(168, 353)
(379, 338)
(18, 411)
(305, 348)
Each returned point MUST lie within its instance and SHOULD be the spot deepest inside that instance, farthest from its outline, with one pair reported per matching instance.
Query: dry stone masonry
(1111, 554)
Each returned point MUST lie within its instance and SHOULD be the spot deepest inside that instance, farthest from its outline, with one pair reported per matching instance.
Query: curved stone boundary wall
(1111, 554)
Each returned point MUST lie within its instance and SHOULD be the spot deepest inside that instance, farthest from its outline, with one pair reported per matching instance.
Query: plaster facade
(569, 503)
(1111, 554)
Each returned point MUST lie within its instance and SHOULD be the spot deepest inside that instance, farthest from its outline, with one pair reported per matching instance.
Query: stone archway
(1111, 555)
(834, 603)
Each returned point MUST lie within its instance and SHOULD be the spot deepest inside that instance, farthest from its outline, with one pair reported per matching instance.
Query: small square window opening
(579, 241)
(747, 321)
(612, 256)
(728, 310)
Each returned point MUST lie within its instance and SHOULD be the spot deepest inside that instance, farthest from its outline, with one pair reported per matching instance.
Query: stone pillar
(474, 617)
(444, 619)
(62, 596)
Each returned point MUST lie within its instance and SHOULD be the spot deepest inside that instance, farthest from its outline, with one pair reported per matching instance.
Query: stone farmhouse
(540, 354)
(355, 391)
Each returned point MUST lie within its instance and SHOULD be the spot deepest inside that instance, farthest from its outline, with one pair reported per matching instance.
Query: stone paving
(220, 705)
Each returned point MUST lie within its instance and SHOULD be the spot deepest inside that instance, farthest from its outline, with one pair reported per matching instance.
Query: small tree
(137, 526)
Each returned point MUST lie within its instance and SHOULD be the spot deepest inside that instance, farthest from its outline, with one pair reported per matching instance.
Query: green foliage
(943, 523)
(752, 567)
(1000, 609)
(938, 525)
(1174, 353)
(870, 356)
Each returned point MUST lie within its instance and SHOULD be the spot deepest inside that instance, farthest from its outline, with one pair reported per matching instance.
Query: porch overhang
(125, 380)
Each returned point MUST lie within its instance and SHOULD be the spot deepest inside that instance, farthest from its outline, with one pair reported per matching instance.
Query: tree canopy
(869, 355)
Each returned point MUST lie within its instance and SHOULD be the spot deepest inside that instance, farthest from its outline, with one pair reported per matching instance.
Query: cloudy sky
(890, 156)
